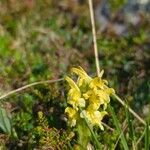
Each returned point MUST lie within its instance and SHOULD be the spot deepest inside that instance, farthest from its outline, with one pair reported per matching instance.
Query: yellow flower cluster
(88, 97)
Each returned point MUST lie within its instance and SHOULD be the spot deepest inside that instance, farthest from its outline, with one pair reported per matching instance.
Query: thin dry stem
(139, 140)
(108, 127)
(130, 110)
(27, 86)
(94, 37)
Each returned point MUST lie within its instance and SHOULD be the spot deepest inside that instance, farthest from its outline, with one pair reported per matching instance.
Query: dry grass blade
(108, 127)
(139, 140)
(130, 110)
(27, 86)
(94, 37)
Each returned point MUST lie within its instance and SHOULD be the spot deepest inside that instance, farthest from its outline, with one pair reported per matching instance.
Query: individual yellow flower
(83, 77)
(104, 96)
(77, 103)
(98, 97)
(72, 84)
(74, 95)
(94, 117)
(97, 82)
(99, 92)
(73, 115)
(93, 98)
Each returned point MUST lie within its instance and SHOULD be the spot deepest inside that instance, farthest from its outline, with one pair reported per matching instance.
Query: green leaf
(5, 122)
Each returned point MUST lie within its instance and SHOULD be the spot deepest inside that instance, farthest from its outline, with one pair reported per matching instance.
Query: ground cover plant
(42, 41)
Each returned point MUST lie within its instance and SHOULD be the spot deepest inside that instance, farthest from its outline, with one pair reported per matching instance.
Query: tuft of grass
(119, 130)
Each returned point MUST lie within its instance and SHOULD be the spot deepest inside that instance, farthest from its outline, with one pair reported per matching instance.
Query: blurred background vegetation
(43, 39)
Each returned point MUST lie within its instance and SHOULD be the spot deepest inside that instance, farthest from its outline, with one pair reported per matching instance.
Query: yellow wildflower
(83, 77)
(74, 95)
(94, 101)
(72, 114)
(87, 94)
(72, 84)
(93, 117)
(98, 83)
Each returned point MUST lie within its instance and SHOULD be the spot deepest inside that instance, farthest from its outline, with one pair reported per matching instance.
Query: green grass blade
(5, 122)
(131, 129)
(119, 130)
(147, 138)
(69, 146)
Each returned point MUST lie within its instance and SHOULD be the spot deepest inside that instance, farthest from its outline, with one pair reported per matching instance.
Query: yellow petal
(101, 73)
(79, 71)
(72, 83)
(84, 79)
(96, 117)
(72, 116)
(73, 122)
(71, 112)
(110, 91)
(81, 102)
(98, 82)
